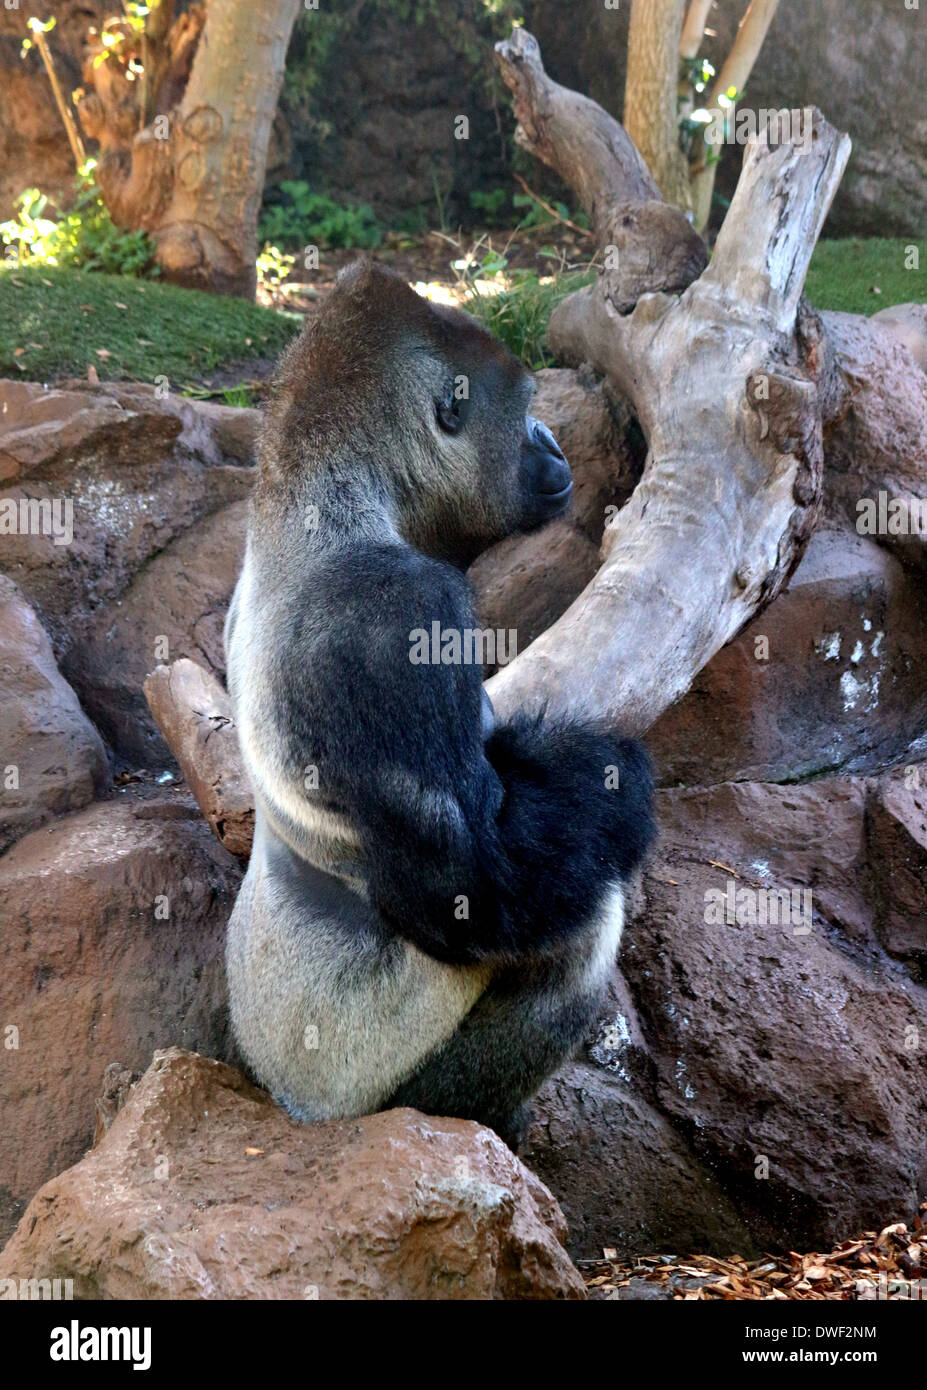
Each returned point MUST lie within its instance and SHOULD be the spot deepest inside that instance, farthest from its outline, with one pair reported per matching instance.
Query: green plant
(303, 218)
(56, 323)
(273, 266)
(538, 216)
(490, 204)
(519, 313)
(83, 237)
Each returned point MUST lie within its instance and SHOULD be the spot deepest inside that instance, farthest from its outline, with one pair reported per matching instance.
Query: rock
(879, 443)
(593, 428)
(235, 429)
(908, 323)
(174, 608)
(52, 759)
(526, 582)
(194, 714)
(136, 470)
(203, 1188)
(623, 1176)
(114, 928)
(844, 684)
(803, 1046)
(897, 825)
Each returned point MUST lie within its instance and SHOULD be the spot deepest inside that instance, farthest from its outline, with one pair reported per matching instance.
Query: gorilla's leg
(519, 1032)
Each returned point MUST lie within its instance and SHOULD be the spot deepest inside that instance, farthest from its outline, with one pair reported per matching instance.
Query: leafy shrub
(519, 314)
(312, 219)
(84, 237)
(490, 204)
(273, 266)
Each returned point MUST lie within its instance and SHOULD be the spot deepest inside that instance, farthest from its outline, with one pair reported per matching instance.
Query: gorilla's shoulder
(373, 584)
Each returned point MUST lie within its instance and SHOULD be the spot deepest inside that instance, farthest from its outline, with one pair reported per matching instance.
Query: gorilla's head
(424, 404)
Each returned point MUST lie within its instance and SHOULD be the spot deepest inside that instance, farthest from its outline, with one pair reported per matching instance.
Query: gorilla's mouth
(557, 494)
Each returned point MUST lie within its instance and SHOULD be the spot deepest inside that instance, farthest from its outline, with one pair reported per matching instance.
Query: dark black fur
(523, 826)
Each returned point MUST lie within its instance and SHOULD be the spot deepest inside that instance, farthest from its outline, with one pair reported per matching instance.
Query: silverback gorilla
(434, 900)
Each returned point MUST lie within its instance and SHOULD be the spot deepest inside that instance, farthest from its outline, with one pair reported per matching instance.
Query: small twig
(70, 125)
(583, 231)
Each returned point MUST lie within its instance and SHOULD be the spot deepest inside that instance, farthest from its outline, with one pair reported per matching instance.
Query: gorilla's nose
(552, 477)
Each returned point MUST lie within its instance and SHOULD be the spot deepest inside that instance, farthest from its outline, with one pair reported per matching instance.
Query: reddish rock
(202, 1188)
(139, 471)
(844, 686)
(803, 1048)
(526, 582)
(113, 925)
(174, 608)
(52, 759)
(879, 443)
(593, 428)
(623, 1175)
(897, 824)
(908, 323)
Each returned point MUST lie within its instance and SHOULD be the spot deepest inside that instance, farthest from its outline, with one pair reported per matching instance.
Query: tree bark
(724, 381)
(650, 115)
(193, 176)
(734, 74)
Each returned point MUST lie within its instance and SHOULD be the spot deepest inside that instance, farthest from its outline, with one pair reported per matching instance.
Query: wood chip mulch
(887, 1264)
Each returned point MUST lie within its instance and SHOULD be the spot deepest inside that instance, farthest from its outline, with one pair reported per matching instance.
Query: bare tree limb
(735, 73)
(649, 244)
(194, 714)
(724, 383)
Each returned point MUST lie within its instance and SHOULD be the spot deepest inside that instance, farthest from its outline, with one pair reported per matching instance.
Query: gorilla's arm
(484, 850)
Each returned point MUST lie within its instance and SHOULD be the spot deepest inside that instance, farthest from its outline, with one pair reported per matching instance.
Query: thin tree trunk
(193, 177)
(650, 115)
(693, 30)
(734, 75)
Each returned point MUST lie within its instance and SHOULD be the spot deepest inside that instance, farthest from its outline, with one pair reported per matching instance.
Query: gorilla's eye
(449, 412)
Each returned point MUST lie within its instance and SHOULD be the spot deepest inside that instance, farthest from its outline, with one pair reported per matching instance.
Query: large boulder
(175, 607)
(897, 826)
(138, 469)
(113, 930)
(525, 583)
(203, 1188)
(625, 1178)
(876, 450)
(792, 1055)
(754, 1086)
(52, 759)
(832, 676)
(132, 472)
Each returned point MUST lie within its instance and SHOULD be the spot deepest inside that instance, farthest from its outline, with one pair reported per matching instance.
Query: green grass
(845, 274)
(519, 315)
(67, 320)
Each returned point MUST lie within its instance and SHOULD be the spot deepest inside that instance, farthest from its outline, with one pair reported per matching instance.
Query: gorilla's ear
(451, 412)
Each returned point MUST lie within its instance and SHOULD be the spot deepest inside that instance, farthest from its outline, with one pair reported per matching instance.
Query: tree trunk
(734, 75)
(193, 175)
(650, 115)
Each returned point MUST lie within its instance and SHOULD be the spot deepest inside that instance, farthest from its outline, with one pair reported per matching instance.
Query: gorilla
(434, 901)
